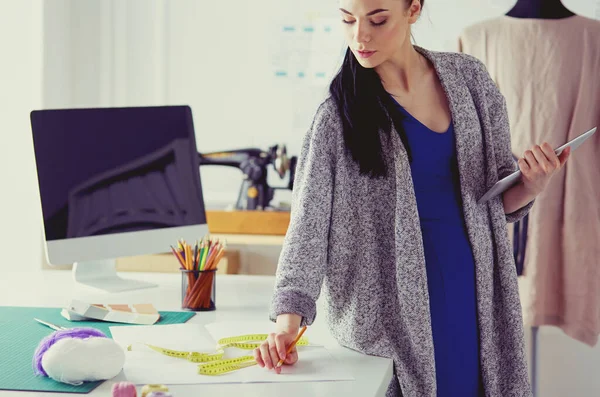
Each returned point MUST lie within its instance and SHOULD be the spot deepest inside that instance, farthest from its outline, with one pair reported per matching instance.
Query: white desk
(237, 297)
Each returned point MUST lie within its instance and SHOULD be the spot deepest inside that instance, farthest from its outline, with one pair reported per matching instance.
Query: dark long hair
(367, 111)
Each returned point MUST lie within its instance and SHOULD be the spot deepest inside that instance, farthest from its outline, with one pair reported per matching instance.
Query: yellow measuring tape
(224, 366)
(214, 364)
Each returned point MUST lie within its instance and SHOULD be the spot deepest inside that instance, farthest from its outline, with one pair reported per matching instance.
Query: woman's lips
(365, 54)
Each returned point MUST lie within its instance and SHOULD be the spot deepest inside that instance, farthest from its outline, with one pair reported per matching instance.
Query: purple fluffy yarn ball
(47, 342)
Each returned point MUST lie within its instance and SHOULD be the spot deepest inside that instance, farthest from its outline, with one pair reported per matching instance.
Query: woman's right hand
(275, 347)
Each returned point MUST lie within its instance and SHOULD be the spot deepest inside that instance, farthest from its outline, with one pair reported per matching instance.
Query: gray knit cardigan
(358, 241)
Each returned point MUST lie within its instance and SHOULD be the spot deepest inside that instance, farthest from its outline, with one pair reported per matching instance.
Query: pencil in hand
(289, 350)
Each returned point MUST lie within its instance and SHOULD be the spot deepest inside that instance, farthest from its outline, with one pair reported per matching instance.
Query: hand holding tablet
(507, 182)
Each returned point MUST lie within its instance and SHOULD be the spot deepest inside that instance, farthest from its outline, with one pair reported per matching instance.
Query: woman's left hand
(539, 164)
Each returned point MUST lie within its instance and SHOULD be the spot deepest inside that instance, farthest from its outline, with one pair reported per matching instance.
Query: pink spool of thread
(124, 389)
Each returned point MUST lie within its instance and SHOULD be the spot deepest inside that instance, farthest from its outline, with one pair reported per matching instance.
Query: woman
(385, 215)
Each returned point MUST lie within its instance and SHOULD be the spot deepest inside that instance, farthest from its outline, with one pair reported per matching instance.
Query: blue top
(449, 259)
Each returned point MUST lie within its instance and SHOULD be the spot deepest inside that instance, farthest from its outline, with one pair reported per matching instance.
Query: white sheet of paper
(145, 366)
(315, 364)
(173, 336)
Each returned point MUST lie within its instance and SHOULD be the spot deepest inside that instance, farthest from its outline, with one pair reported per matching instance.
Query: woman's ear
(414, 11)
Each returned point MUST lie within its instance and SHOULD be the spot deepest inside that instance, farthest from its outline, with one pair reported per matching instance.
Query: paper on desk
(315, 363)
(145, 366)
(173, 336)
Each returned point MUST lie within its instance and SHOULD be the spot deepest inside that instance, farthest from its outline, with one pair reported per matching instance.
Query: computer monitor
(116, 182)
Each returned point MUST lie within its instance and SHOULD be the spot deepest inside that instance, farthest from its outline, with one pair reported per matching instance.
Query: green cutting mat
(20, 335)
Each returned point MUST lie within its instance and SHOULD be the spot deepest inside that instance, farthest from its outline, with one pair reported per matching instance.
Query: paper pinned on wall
(144, 365)
(286, 40)
(306, 54)
(306, 51)
(328, 48)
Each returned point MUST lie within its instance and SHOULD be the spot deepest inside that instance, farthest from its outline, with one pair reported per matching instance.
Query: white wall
(114, 53)
(20, 82)
(216, 57)
(109, 52)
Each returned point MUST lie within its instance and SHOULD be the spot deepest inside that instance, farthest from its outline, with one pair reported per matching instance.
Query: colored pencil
(178, 256)
(200, 260)
(289, 350)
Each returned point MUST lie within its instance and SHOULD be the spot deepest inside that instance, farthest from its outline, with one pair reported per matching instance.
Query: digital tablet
(505, 183)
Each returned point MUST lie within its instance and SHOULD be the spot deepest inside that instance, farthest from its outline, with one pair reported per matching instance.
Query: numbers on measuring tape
(244, 338)
(239, 345)
(224, 366)
(242, 341)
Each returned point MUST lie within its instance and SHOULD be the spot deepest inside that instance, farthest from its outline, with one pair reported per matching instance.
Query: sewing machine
(255, 192)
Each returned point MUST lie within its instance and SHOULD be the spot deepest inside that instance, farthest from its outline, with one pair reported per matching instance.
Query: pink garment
(549, 73)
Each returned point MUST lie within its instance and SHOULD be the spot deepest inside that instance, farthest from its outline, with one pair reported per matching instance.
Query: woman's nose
(362, 34)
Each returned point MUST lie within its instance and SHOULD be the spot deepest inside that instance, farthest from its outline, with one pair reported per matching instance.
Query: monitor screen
(116, 170)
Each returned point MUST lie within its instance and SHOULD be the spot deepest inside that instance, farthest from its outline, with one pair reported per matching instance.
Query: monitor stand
(102, 274)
